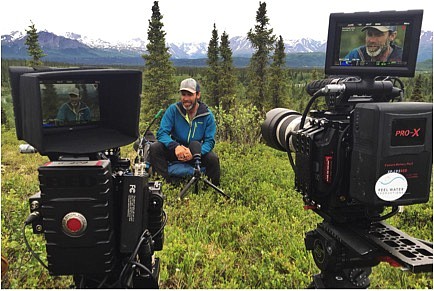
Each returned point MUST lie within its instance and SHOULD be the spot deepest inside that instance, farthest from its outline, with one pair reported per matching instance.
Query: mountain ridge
(76, 48)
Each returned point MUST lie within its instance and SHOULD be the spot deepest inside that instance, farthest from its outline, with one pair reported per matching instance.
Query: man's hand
(183, 153)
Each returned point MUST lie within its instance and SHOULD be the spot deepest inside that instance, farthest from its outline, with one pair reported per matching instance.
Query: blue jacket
(67, 114)
(175, 129)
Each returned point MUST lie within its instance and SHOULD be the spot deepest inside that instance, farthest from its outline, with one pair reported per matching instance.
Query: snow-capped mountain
(133, 44)
(72, 47)
(11, 37)
(240, 45)
(188, 50)
(305, 45)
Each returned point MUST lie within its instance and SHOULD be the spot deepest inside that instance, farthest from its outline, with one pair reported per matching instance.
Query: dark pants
(160, 156)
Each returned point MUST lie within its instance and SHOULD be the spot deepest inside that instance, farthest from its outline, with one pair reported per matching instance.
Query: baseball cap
(74, 92)
(189, 85)
(380, 28)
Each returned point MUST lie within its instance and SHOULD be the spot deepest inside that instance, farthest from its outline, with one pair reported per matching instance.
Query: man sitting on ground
(183, 122)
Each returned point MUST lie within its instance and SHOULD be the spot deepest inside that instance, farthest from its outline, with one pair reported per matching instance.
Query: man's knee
(157, 158)
(156, 148)
(212, 159)
(212, 164)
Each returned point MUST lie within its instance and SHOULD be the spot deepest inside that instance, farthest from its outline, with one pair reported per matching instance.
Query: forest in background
(419, 88)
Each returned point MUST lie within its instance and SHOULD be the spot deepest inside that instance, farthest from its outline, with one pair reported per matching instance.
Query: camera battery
(391, 161)
(135, 196)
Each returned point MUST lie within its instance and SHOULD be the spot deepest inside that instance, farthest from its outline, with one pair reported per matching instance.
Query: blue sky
(188, 20)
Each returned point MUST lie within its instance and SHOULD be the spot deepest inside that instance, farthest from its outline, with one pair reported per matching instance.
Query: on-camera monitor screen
(372, 44)
(69, 103)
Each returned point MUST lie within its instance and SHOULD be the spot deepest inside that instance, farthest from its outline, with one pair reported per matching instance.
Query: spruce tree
(278, 76)
(213, 71)
(158, 75)
(262, 40)
(33, 48)
(416, 95)
(227, 80)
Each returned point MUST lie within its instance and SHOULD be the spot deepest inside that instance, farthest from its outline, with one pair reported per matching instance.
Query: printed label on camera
(391, 186)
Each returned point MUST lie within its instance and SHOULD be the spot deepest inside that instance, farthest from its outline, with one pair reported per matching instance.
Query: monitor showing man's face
(71, 96)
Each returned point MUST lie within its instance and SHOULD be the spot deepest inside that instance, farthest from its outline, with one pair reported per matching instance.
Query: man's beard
(189, 107)
(377, 52)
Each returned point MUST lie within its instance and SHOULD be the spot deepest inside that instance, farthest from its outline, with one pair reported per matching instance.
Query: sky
(188, 21)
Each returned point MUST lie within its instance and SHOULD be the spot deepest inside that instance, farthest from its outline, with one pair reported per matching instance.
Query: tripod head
(195, 149)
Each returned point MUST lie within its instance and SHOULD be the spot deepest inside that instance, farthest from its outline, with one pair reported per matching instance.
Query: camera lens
(278, 124)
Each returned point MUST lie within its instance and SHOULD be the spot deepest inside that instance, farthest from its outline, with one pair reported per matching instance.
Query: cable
(288, 151)
(32, 217)
(131, 263)
(162, 226)
(141, 266)
(102, 283)
(307, 108)
(395, 210)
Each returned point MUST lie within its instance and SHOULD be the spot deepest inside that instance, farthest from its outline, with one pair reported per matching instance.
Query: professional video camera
(102, 218)
(363, 155)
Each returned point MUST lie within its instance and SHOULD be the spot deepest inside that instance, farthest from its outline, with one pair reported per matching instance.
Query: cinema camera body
(363, 155)
(101, 217)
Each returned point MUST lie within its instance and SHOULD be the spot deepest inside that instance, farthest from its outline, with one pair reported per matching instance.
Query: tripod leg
(216, 188)
(189, 184)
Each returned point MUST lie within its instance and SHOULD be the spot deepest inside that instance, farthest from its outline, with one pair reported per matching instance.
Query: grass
(255, 240)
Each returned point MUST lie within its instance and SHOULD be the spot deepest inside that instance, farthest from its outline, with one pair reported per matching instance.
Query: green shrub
(241, 125)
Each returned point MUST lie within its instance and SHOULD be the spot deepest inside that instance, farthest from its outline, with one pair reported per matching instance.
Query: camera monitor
(373, 43)
(76, 111)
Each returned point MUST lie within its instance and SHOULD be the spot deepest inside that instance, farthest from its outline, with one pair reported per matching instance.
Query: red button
(74, 224)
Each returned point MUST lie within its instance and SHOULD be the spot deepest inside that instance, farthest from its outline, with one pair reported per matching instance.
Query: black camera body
(381, 155)
(366, 152)
(102, 218)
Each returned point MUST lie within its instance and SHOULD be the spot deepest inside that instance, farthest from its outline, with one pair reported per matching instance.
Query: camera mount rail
(345, 253)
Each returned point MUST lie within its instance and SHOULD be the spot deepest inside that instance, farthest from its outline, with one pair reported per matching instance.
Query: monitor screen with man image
(380, 45)
(69, 104)
(373, 43)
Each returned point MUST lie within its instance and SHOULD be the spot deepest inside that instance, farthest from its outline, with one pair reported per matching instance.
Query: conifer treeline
(266, 83)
